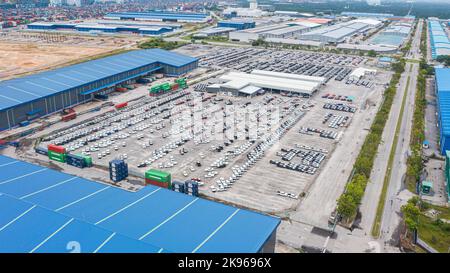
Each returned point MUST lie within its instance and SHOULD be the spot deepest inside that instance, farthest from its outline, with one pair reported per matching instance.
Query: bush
(159, 43)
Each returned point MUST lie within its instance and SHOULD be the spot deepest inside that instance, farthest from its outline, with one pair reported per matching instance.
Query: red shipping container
(121, 105)
(156, 183)
(68, 117)
(175, 87)
(56, 148)
(121, 89)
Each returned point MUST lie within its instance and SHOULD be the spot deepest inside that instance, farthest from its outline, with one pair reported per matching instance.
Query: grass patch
(435, 233)
(160, 43)
(387, 177)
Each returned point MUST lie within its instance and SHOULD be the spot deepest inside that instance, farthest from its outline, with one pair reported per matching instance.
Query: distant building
(237, 24)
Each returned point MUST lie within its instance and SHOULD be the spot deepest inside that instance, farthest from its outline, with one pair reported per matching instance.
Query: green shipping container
(159, 176)
(87, 159)
(155, 88)
(52, 153)
(57, 156)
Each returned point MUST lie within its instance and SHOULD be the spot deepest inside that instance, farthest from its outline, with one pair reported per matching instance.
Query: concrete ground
(435, 166)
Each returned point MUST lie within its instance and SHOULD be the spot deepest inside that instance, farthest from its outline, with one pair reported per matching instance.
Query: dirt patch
(19, 58)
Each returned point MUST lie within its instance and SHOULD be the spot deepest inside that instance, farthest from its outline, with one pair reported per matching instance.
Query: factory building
(162, 16)
(258, 81)
(394, 35)
(443, 107)
(237, 24)
(280, 31)
(367, 15)
(440, 43)
(57, 208)
(337, 33)
(105, 28)
(34, 96)
(212, 32)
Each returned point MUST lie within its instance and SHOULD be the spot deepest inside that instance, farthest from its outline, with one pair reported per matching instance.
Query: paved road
(396, 195)
(395, 198)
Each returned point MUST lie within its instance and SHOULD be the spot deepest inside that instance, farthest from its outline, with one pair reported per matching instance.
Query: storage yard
(286, 137)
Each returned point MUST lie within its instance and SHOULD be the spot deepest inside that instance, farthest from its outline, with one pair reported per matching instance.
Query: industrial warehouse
(339, 32)
(106, 27)
(443, 105)
(250, 84)
(163, 16)
(440, 43)
(35, 96)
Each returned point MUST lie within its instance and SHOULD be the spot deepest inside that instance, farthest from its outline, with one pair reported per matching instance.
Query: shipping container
(56, 148)
(56, 156)
(165, 185)
(118, 170)
(24, 123)
(121, 89)
(121, 105)
(41, 150)
(158, 175)
(68, 117)
(87, 160)
(75, 160)
(177, 186)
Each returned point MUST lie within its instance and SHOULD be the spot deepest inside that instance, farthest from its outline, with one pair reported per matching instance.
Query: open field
(24, 53)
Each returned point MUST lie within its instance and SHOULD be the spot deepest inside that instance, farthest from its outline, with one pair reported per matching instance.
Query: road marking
(17, 218)
(22, 176)
(168, 219)
(49, 187)
(9, 163)
(51, 235)
(126, 207)
(104, 243)
(215, 231)
(83, 198)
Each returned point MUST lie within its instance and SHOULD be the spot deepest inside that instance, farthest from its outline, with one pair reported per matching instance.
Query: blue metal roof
(29, 88)
(159, 15)
(44, 209)
(443, 79)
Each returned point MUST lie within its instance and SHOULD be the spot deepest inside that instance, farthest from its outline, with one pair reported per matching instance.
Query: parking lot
(305, 63)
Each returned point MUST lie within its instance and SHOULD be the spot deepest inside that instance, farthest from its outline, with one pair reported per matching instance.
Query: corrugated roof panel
(153, 215)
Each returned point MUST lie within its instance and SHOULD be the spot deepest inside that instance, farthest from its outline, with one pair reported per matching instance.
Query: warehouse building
(280, 31)
(440, 43)
(394, 35)
(43, 211)
(367, 15)
(34, 96)
(105, 28)
(249, 84)
(443, 107)
(237, 24)
(336, 33)
(213, 32)
(162, 16)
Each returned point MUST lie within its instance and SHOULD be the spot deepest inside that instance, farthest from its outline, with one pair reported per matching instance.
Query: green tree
(411, 215)
(346, 206)
(371, 53)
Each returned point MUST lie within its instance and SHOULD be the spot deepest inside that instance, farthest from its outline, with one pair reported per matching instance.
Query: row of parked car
(295, 167)
(336, 121)
(340, 107)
